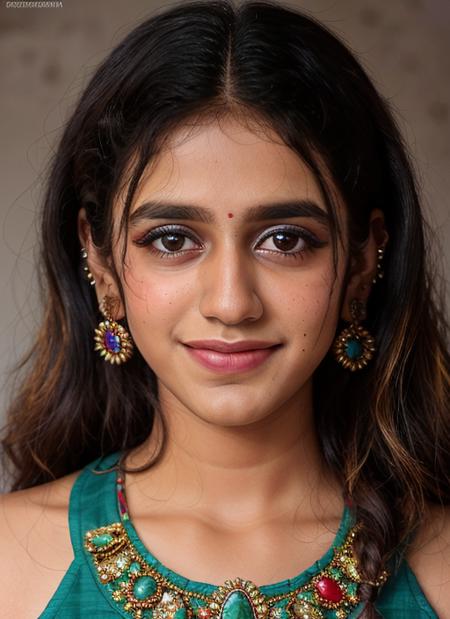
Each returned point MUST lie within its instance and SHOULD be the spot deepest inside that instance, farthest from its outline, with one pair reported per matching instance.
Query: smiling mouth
(225, 346)
(229, 362)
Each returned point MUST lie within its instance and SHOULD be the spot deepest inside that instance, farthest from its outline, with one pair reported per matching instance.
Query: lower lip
(228, 363)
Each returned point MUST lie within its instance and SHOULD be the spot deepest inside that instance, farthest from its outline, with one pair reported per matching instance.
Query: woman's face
(230, 275)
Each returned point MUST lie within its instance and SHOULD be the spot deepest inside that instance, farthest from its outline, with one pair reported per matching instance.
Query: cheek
(311, 315)
(153, 304)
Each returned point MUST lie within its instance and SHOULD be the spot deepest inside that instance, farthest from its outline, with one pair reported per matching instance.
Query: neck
(236, 475)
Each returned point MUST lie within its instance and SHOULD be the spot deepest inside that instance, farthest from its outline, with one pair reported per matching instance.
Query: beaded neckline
(141, 587)
(278, 587)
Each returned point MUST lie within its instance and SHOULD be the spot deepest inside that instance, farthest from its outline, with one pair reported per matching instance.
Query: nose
(227, 281)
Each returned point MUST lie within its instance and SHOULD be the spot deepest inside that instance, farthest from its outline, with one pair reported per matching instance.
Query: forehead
(226, 167)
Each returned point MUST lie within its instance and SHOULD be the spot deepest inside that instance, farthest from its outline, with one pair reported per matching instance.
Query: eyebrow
(285, 209)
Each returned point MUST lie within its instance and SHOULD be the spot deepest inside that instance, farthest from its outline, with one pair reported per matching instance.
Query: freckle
(304, 335)
(230, 215)
(303, 350)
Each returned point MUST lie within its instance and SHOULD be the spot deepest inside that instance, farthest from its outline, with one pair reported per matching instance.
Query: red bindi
(230, 215)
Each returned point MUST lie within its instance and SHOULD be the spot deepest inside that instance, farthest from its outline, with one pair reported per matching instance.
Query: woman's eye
(171, 242)
(287, 242)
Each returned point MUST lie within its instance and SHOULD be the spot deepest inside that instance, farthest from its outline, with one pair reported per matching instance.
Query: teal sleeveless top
(114, 575)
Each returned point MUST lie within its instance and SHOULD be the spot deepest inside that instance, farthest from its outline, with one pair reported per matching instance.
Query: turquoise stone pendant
(237, 606)
(238, 599)
(354, 347)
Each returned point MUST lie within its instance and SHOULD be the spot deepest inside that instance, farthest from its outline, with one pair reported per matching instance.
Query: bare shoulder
(35, 545)
(429, 558)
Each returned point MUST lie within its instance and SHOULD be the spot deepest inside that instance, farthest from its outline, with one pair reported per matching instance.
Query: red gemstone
(329, 589)
(203, 613)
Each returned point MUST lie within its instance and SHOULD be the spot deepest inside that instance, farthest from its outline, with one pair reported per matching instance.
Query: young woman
(237, 404)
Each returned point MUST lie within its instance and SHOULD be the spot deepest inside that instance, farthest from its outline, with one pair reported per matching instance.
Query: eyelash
(311, 241)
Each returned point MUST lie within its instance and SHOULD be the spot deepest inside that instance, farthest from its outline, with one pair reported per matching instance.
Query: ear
(105, 283)
(364, 265)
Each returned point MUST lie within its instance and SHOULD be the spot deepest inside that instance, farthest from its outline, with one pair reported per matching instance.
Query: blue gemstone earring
(111, 339)
(354, 347)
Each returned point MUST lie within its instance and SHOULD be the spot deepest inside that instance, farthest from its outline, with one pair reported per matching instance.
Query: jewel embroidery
(142, 592)
(329, 589)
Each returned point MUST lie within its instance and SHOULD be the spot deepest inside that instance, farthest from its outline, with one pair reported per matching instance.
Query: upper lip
(223, 346)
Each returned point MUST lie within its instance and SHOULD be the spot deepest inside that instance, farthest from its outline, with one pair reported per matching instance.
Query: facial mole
(230, 215)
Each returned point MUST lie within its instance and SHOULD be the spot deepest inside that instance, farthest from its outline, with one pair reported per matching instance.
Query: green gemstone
(305, 595)
(237, 606)
(352, 588)
(353, 349)
(134, 568)
(102, 540)
(336, 572)
(180, 613)
(144, 587)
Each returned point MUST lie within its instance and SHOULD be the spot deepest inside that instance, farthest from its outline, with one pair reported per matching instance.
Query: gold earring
(111, 339)
(88, 274)
(354, 347)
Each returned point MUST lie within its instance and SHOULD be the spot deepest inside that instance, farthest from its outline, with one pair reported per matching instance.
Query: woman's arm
(35, 546)
(429, 558)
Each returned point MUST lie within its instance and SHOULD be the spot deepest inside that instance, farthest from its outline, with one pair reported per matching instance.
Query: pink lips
(230, 357)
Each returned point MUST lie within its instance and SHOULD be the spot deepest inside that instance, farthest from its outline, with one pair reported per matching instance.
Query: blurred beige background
(48, 54)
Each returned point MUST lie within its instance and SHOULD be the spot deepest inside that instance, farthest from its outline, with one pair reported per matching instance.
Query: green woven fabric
(93, 503)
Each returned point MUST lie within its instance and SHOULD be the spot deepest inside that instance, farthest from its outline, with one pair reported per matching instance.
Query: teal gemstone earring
(354, 347)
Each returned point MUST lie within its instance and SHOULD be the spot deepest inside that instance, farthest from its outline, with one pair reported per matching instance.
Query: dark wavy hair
(384, 430)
